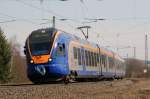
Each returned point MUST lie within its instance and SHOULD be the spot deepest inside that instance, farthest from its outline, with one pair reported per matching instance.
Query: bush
(135, 68)
(5, 57)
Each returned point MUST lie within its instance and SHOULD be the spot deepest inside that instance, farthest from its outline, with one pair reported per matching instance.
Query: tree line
(5, 58)
(12, 64)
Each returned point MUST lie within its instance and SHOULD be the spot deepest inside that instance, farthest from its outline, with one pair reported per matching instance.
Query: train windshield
(40, 41)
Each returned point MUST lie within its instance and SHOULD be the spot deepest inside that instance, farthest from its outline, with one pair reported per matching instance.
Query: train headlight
(50, 59)
(31, 61)
(55, 45)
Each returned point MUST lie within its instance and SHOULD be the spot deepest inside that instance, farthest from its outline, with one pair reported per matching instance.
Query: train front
(38, 50)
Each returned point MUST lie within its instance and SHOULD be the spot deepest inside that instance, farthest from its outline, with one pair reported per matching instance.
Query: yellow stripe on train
(88, 68)
(89, 47)
(76, 67)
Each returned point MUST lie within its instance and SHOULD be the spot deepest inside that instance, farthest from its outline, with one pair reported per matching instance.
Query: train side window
(89, 58)
(79, 56)
(110, 62)
(86, 57)
(75, 52)
(61, 49)
(82, 57)
(106, 61)
(124, 67)
(89, 61)
(25, 50)
(99, 57)
(95, 59)
(92, 59)
(121, 66)
(118, 65)
(103, 60)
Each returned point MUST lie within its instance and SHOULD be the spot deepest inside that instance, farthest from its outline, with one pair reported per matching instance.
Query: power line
(128, 18)
(85, 13)
(42, 9)
(3, 14)
(17, 19)
(58, 19)
(48, 11)
(7, 21)
(82, 1)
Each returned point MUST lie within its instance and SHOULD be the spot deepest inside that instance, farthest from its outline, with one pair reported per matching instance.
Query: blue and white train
(53, 55)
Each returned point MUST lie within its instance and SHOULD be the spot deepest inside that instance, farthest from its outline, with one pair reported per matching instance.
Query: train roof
(78, 39)
(74, 37)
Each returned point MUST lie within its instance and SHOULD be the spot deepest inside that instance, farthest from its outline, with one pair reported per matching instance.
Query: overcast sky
(126, 21)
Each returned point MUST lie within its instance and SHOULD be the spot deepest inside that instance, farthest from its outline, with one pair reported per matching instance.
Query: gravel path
(121, 89)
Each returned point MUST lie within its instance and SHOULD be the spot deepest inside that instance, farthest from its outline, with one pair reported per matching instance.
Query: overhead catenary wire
(35, 7)
(6, 21)
(57, 15)
(47, 11)
(84, 9)
(17, 19)
(6, 15)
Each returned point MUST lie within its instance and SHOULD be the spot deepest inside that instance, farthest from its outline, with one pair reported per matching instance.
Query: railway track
(77, 90)
(103, 82)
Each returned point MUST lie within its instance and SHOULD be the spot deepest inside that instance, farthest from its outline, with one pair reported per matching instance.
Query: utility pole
(146, 52)
(134, 51)
(127, 56)
(53, 22)
(117, 42)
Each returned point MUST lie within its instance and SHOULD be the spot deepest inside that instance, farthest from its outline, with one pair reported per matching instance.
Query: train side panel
(100, 64)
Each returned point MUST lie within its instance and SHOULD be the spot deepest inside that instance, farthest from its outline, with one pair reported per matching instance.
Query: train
(55, 55)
